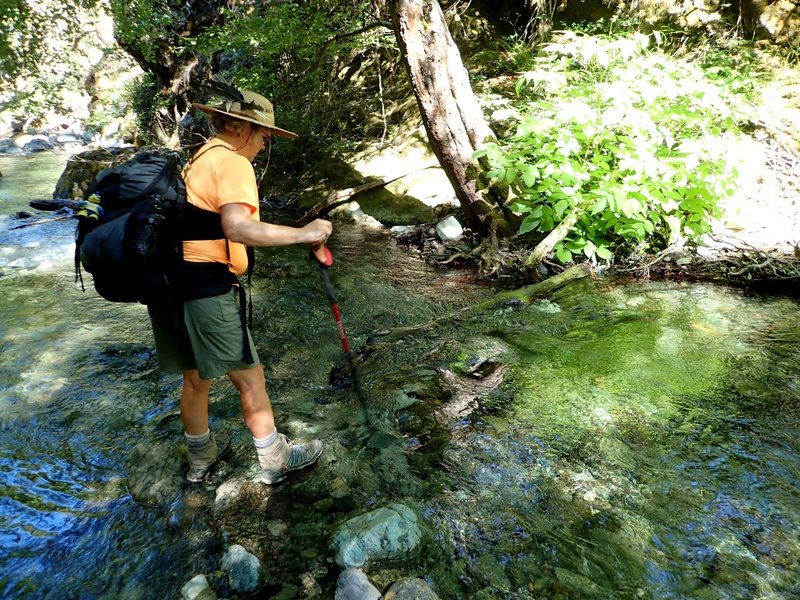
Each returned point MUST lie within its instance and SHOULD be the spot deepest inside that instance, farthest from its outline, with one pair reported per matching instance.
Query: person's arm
(239, 227)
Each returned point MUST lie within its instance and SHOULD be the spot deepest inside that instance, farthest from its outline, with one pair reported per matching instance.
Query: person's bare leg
(194, 402)
(256, 407)
(276, 454)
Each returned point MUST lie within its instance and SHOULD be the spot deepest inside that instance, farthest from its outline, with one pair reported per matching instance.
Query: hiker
(207, 336)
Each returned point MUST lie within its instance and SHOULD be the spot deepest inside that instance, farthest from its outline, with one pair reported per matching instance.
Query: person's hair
(226, 124)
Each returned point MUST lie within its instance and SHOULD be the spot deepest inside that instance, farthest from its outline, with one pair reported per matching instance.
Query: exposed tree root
(732, 262)
(729, 260)
(487, 257)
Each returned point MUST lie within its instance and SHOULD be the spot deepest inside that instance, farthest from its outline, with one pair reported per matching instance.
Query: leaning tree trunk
(450, 112)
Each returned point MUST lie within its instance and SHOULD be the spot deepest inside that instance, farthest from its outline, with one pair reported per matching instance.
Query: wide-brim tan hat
(255, 109)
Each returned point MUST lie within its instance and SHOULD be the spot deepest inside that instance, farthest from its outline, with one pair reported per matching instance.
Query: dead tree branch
(338, 197)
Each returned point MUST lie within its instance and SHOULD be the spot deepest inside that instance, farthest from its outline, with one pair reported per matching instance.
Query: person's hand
(318, 231)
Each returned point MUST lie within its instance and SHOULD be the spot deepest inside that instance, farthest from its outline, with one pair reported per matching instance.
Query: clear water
(627, 440)
(646, 446)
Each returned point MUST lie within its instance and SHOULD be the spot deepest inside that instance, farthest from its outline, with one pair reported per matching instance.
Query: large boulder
(391, 209)
(82, 168)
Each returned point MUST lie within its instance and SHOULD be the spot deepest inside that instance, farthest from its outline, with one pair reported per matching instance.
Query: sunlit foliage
(42, 43)
(624, 135)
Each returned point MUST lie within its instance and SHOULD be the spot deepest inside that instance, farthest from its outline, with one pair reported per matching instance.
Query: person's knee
(249, 381)
(193, 384)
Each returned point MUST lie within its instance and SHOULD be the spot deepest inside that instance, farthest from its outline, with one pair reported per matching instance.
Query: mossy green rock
(391, 209)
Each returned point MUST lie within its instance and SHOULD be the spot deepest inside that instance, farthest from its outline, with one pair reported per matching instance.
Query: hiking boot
(202, 459)
(283, 456)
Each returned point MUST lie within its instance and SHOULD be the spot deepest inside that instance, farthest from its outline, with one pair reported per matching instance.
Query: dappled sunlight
(594, 439)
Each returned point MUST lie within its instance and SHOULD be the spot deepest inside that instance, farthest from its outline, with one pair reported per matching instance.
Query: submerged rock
(155, 473)
(410, 589)
(353, 584)
(197, 588)
(229, 492)
(245, 571)
(390, 532)
(488, 570)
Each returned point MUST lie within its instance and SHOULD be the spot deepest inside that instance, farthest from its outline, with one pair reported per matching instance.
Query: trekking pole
(324, 258)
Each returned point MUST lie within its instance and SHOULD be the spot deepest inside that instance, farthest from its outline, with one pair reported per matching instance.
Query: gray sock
(266, 442)
(198, 443)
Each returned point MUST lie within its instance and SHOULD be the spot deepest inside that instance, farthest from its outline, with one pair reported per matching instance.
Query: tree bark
(450, 112)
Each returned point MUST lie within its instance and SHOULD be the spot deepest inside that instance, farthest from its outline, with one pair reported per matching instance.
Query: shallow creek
(617, 440)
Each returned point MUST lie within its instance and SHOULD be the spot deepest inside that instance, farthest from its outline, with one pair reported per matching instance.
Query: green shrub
(627, 137)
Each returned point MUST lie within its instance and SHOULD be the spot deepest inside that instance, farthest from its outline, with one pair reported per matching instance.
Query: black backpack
(134, 249)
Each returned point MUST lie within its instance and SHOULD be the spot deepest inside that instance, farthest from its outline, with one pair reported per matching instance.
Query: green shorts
(204, 334)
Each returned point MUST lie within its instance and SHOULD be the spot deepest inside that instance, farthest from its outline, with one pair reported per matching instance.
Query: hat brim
(276, 130)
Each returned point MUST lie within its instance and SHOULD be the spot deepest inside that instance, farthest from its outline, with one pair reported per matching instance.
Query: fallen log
(525, 294)
(539, 289)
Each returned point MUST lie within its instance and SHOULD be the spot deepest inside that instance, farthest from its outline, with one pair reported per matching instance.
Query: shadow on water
(613, 441)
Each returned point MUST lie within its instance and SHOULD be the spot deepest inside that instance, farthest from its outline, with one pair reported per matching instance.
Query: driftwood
(339, 197)
(523, 294)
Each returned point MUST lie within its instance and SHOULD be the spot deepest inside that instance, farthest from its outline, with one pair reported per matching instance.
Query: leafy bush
(292, 54)
(626, 140)
(147, 24)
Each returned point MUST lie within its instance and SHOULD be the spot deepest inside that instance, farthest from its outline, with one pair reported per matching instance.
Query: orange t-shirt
(220, 176)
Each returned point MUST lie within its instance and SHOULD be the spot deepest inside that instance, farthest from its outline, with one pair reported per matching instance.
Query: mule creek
(616, 440)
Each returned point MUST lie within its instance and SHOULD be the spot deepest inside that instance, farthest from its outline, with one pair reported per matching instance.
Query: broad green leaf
(599, 206)
(530, 175)
(575, 246)
(603, 252)
(529, 224)
(563, 255)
